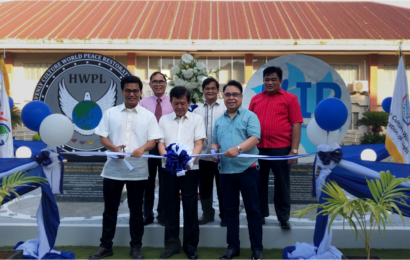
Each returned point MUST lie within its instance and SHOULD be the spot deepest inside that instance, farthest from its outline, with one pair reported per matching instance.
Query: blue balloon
(331, 114)
(11, 102)
(34, 113)
(386, 104)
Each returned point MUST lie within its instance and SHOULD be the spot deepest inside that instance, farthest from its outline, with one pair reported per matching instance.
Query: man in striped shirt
(281, 122)
(209, 111)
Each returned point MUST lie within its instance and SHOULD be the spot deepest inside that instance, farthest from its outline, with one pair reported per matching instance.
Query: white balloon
(368, 155)
(56, 130)
(23, 152)
(319, 136)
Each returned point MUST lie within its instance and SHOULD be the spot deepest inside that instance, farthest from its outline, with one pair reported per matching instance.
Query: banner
(6, 136)
(398, 127)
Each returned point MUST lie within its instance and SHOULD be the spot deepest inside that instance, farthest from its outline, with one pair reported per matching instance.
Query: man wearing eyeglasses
(159, 104)
(208, 170)
(281, 121)
(238, 131)
(126, 128)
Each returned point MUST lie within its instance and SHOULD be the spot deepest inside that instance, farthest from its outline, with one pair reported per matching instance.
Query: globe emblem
(4, 134)
(87, 115)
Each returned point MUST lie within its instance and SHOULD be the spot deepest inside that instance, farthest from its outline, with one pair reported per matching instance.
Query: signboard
(82, 86)
(311, 80)
(82, 182)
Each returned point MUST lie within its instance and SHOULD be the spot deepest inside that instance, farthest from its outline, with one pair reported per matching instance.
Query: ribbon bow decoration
(178, 157)
(329, 156)
(43, 158)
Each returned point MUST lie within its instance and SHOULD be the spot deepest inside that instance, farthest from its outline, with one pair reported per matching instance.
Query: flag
(398, 127)
(6, 137)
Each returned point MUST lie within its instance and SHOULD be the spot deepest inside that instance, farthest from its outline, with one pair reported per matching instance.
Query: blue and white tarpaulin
(48, 219)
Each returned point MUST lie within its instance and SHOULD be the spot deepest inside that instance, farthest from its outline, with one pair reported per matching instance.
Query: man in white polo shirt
(129, 128)
(181, 126)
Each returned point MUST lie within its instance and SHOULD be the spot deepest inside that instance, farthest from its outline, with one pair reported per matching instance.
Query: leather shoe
(148, 221)
(101, 253)
(136, 253)
(257, 255)
(230, 253)
(168, 253)
(203, 220)
(285, 225)
(192, 255)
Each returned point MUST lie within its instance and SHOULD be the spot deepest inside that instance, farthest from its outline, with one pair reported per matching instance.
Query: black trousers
(112, 190)
(188, 185)
(149, 192)
(247, 183)
(208, 170)
(281, 172)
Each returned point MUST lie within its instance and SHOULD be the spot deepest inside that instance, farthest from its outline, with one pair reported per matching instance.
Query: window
(34, 71)
(354, 122)
(142, 67)
(390, 72)
(348, 72)
(259, 61)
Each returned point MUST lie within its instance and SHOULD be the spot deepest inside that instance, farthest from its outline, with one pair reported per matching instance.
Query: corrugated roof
(202, 20)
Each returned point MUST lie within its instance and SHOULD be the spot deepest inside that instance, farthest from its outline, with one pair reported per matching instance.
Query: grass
(82, 252)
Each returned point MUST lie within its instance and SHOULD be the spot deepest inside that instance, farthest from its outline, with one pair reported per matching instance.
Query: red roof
(216, 20)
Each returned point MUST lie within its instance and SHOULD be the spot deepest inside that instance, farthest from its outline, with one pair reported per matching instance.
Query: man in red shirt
(281, 123)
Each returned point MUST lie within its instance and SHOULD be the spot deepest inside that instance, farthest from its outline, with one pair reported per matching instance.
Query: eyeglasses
(267, 79)
(134, 91)
(160, 82)
(235, 94)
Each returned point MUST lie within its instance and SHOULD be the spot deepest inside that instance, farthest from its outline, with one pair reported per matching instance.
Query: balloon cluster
(54, 129)
(330, 115)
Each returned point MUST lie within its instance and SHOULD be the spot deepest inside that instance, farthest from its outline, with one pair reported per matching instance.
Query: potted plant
(386, 196)
(7, 191)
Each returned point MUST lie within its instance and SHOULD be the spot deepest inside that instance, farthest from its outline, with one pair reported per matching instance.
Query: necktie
(158, 109)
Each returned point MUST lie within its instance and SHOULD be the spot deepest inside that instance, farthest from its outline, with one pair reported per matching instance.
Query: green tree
(15, 114)
(374, 119)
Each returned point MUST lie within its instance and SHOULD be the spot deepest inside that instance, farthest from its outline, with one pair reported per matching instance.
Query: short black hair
(233, 83)
(179, 92)
(273, 69)
(131, 79)
(155, 73)
(208, 81)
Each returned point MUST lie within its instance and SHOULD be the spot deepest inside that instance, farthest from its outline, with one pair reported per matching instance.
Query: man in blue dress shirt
(238, 131)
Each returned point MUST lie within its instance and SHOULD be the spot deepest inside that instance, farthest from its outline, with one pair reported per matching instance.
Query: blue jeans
(248, 184)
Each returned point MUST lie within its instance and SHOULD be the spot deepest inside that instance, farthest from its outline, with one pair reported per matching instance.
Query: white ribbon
(326, 169)
(53, 170)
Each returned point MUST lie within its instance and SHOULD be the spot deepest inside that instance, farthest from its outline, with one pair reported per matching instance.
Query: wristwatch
(239, 149)
(295, 151)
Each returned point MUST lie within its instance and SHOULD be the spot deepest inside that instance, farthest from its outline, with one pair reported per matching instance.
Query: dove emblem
(85, 114)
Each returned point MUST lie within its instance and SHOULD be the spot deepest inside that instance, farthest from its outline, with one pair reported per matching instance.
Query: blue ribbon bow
(175, 162)
(43, 158)
(326, 158)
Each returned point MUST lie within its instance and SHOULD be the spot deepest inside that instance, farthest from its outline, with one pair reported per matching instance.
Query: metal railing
(23, 135)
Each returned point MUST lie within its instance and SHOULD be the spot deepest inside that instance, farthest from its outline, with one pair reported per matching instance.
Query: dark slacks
(112, 190)
(281, 172)
(188, 185)
(247, 183)
(149, 192)
(208, 170)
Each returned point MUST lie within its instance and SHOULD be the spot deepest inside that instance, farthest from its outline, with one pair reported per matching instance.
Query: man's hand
(232, 152)
(120, 149)
(137, 153)
(213, 157)
(292, 161)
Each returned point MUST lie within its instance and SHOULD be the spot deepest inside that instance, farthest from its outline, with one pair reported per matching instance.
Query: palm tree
(375, 119)
(15, 114)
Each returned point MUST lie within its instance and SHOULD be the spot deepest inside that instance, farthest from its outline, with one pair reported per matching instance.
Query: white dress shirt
(132, 128)
(209, 114)
(186, 130)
